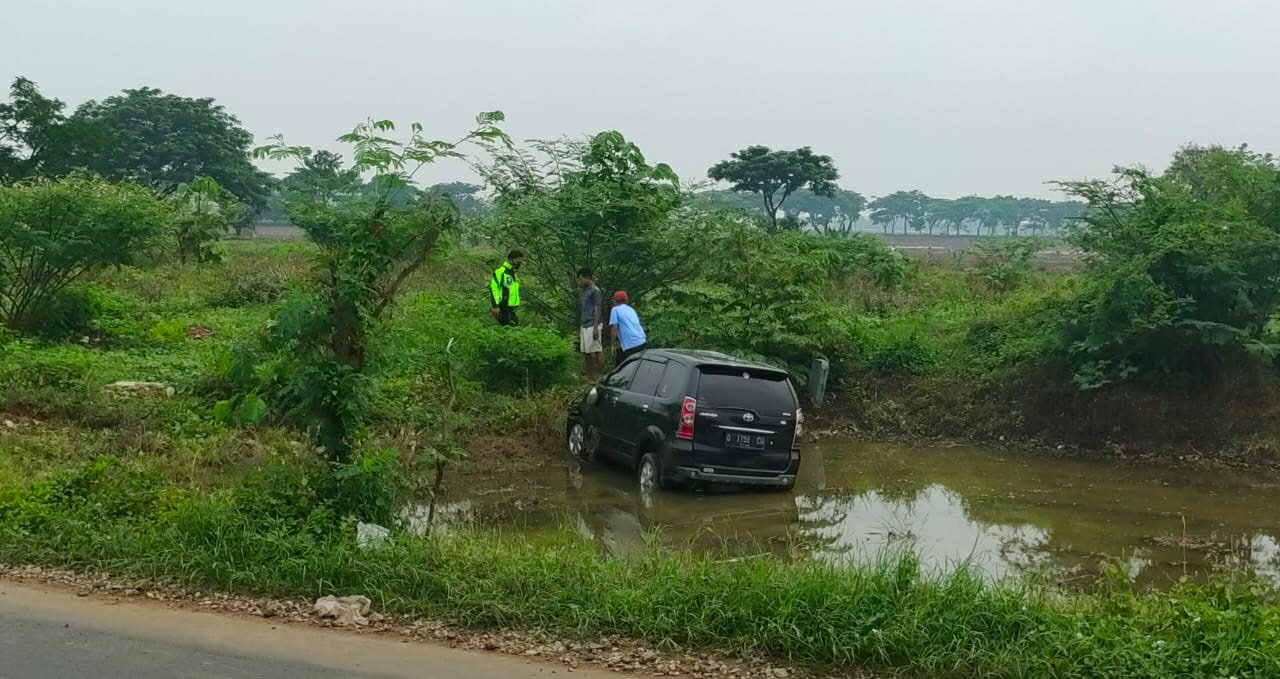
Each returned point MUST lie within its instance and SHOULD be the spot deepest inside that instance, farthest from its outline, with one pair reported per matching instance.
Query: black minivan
(685, 417)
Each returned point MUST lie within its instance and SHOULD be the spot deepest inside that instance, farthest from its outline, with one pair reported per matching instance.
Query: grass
(121, 519)
(159, 488)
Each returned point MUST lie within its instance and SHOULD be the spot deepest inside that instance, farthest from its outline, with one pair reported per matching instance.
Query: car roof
(701, 357)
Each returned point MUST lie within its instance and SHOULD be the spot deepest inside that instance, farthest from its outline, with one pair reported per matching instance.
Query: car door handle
(644, 407)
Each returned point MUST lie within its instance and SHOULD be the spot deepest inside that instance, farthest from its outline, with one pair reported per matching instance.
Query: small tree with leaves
(52, 233)
(203, 213)
(775, 175)
(599, 204)
(369, 244)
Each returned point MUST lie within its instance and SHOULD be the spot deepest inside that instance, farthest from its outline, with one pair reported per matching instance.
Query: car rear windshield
(744, 388)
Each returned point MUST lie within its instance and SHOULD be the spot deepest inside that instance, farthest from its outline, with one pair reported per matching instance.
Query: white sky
(950, 97)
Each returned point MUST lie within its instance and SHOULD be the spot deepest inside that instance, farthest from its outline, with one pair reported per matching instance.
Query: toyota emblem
(748, 417)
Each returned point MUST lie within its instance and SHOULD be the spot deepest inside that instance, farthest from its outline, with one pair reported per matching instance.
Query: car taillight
(799, 424)
(688, 412)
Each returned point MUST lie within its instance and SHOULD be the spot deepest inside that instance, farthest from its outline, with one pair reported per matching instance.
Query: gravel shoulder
(56, 623)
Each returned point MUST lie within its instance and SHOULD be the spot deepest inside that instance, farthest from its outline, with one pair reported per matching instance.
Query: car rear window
(739, 388)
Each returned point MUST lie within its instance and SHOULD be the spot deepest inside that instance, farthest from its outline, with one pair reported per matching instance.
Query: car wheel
(649, 473)
(577, 442)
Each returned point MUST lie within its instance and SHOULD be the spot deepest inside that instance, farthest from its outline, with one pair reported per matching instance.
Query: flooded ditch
(1004, 514)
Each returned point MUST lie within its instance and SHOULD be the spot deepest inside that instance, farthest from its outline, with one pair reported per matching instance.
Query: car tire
(650, 475)
(577, 441)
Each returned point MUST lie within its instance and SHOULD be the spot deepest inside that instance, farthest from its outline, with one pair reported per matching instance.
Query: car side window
(621, 378)
(674, 379)
(647, 377)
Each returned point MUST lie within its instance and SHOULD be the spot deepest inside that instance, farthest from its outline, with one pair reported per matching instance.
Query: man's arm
(495, 294)
(598, 319)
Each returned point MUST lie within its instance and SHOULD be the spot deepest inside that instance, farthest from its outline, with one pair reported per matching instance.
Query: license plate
(735, 439)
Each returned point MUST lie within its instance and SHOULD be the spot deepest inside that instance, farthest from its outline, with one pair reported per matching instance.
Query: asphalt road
(50, 634)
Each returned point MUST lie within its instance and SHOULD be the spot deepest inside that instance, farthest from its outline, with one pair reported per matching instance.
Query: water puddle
(1004, 514)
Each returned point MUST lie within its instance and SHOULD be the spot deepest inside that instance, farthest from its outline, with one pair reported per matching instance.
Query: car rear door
(634, 407)
(745, 419)
(607, 419)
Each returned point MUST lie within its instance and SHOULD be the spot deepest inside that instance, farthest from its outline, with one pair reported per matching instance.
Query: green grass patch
(125, 519)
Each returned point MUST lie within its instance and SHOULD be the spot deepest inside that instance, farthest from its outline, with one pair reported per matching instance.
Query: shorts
(588, 341)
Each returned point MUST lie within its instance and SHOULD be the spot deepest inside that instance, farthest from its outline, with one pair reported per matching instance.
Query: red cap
(620, 297)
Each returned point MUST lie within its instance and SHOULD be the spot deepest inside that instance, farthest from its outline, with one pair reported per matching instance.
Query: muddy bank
(1233, 422)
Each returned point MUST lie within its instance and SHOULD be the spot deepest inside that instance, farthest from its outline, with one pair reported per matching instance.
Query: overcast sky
(950, 97)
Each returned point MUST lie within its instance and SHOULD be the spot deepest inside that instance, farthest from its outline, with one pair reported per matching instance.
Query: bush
(774, 307)
(899, 356)
(282, 492)
(104, 489)
(511, 359)
(57, 231)
(1181, 268)
(250, 288)
(1005, 263)
(84, 311)
(203, 215)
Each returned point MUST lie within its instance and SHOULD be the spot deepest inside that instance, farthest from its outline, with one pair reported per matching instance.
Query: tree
(467, 197)
(834, 214)
(370, 242)
(1184, 267)
(53, 232)
(32, 130)
(164, 141)
(321, 179)
(203, 214)
(907, 207)
(775, 175)
(599, 204)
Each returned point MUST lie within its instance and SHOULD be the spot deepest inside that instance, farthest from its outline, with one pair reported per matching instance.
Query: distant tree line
(801, 185)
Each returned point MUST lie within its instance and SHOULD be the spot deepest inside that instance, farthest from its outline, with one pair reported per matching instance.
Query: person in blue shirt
(628, 336)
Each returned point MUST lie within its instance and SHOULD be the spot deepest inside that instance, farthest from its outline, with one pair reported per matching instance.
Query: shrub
(84, 311)
(1005, 263)
(510, 359)
(373, 487)
(252, 289)
(57, 231)
(104, 489)
(1181, 267)
(281, 491)
(762, 296)
(899, 356)
(203, 214)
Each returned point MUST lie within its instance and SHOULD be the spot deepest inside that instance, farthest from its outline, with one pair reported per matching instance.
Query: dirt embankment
(1233, 421)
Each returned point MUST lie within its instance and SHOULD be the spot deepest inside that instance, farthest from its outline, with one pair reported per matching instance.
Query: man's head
(585, 276)
(515, 257)
(620, 297)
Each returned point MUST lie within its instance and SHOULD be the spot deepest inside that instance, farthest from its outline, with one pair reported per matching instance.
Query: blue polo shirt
(630, 334)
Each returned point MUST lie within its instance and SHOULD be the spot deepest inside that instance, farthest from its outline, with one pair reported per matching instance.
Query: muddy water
(1004, 514)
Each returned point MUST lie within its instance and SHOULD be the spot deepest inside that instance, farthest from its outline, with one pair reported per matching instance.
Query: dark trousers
(507, 316)
(619, 355)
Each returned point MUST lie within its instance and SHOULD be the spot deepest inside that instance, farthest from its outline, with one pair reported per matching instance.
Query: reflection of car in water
(625, 519)
(692, 417)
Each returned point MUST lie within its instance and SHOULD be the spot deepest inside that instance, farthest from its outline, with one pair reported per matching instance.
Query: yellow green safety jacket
(504, 287)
